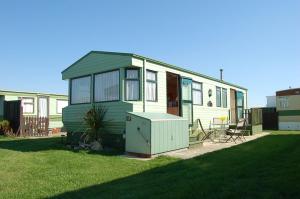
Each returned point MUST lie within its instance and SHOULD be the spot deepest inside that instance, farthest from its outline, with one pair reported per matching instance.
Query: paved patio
(210, 147)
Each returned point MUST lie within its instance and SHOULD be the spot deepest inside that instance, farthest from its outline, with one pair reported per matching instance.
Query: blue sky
(257, 43)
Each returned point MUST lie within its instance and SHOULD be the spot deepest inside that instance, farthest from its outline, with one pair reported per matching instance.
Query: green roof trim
(3, 92)
(161, 63)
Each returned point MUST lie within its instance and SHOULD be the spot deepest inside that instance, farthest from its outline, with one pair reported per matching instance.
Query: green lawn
(42, 168)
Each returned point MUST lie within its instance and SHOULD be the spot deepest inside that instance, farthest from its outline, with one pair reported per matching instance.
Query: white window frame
(150, 81)
(132, 79)
(194, 90)
(59, 111)
(108, 99)
(27, 103)
(72, 90)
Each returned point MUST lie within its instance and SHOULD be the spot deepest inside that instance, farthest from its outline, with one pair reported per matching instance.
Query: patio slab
(210, 147)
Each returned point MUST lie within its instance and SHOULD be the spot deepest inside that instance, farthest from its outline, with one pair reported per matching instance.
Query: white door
(43, 107)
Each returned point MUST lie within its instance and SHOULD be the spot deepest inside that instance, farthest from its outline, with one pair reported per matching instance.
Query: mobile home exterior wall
(97, 62)
(288, 108)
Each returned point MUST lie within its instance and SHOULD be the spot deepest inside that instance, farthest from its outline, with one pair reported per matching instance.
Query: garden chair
(238, 132)
(206, 133)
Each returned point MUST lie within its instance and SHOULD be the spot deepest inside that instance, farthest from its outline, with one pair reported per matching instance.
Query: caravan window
(132, 85)
(224, 97)
(197, 93)
(28, 105)
(107, 86)
(151, 85)
(218, 97)
(81, 90)
(60, 104)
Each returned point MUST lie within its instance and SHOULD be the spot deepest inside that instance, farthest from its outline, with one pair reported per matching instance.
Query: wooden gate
(270, 118)
(34, 126)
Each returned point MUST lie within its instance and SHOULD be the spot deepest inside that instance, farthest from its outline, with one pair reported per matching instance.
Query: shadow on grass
(32, 145)
(45, 144)
(264, 168)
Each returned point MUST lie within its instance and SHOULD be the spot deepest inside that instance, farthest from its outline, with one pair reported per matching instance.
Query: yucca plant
(94, 119)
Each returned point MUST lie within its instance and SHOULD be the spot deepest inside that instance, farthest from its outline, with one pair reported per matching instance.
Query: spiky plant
(94, 119)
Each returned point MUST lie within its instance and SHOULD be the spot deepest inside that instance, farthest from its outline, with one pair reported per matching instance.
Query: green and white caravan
(288, 108)
(37, 104)
(126, 83)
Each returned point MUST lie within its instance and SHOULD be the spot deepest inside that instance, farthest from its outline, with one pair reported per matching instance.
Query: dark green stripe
(289, 113)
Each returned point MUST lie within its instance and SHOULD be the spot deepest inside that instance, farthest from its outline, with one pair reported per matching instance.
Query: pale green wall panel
(95, 63)
(116, 113)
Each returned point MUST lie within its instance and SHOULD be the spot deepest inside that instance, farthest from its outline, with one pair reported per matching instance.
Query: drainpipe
(247, 99)
(144, 86)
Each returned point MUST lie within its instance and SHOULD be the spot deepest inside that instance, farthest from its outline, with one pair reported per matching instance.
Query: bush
(5, 125)
(94, 119)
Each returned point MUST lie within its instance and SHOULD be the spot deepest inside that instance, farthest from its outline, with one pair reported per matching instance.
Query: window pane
(27, 100)
(224, 97)
(240, 98)
(218, 96)
(151, 75)
(186, 89)
(151, 91)
(60, 105)
(107, 86)
(197, 97)
(132, 74)
(197, 86)
(81, 90)
(132, 90)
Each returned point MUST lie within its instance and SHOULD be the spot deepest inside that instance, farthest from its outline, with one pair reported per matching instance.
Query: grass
(42, 168)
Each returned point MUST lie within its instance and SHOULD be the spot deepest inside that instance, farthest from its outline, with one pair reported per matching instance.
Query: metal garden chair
(238, 132)
(206, 133)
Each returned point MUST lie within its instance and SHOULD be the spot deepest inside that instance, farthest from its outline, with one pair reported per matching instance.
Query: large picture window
(60, 104)
(151, 86)
(224, 97)
(27, 104)
(197, 93)
(81, 90)
(132, 88)
(107, 86)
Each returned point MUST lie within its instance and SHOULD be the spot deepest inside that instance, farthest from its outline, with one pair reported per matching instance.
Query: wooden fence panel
(34, 126)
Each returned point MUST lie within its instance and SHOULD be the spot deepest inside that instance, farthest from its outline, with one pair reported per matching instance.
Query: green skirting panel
(289, 113)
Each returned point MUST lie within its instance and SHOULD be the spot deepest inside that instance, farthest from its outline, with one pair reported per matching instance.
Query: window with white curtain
(132, 84)
(197, 93)
(28, 105)
(218, 96)
(60, 104)
(283, 102)
(107, 86)
(224, 97)
(151, 85)
(81, 90)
